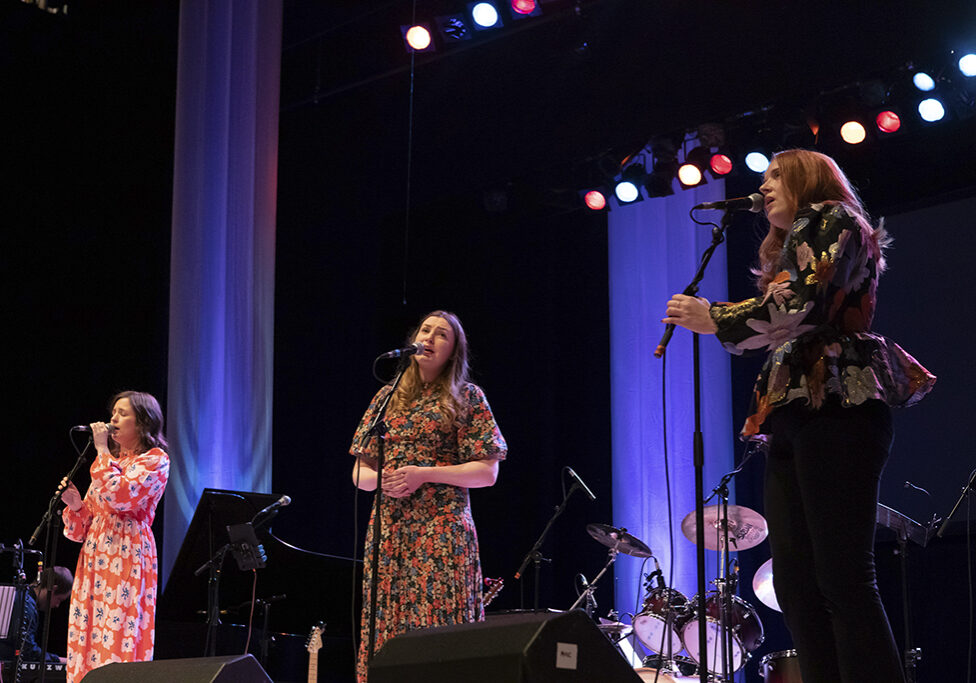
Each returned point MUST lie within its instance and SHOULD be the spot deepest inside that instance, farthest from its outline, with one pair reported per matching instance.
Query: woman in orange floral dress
(113, 602)
(823, 397)
(441, 440)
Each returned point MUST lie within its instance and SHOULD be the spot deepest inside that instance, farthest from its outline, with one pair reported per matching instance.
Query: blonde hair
(811, 177)
(449, 383)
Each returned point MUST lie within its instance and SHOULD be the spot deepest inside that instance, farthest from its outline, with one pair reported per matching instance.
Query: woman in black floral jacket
(824, 397)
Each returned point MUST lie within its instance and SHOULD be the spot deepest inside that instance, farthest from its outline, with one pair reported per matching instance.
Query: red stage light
(720, 164)
(888, 121)
(418, 37)
(524, 6)
(595, 200)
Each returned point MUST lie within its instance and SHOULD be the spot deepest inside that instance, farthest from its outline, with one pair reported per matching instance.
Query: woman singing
(113, 601)
(441, 440)
(823, 396)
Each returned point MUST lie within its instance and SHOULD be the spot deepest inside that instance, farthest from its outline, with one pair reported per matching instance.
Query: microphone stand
(378, 429)
(534, 555)
(967, 489)
(718, 236)
(51, 546)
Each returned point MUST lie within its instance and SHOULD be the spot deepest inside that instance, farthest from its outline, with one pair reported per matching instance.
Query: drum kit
(668, 623)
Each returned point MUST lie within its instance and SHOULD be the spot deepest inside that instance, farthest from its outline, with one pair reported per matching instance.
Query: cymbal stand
(586, 594)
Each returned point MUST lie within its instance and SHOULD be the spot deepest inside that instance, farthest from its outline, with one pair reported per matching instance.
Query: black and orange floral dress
(815, 320)
(430, 573)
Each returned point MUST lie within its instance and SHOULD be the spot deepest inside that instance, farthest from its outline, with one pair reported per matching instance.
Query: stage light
(967, 65)
(485, 15)
(923, 81)
(720, 164)
(454, 28)
(417, 37)
(853, 133)
(525, 8)
(888, 121)
(627, 189)
(689, 175)
(931, 110)
(757, 162)
(595, 200)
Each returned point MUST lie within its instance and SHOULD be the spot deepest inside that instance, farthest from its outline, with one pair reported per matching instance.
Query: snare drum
(661, 606)
(780, 667)
(649, 675)
(747, 632)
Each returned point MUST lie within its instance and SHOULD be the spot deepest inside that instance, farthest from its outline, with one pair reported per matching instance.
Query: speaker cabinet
(509, 648)
(227, 669)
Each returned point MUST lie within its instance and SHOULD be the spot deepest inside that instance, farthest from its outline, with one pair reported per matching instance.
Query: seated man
(37, 598)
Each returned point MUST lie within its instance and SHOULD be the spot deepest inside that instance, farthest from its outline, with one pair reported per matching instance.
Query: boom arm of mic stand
(968, 488)
(46, 518)
(718, 236)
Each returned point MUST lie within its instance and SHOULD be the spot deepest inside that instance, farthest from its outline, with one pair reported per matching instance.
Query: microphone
(416, 347)
(658, 573)
(579, 482)
(753, 202)
(280, 503)
(87, 428)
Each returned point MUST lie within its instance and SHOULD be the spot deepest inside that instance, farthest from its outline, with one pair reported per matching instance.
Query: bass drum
(652, 627)
(747, 633)
(780, 667)
(650, 675)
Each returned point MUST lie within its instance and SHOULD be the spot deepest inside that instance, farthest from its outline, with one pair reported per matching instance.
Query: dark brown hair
(149, 418)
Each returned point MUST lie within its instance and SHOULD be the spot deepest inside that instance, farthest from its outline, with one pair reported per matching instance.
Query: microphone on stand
(87, 428)
(753, 202)
(576, 478)
(280, 503)
(658, 574)
(416, 347)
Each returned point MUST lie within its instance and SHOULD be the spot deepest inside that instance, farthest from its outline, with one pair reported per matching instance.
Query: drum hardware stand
(970, 487)
(725, 585)
(718, 236)
(587, 594)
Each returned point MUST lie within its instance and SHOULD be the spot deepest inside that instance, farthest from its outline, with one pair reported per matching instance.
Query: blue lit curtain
(222, 260)
(654, 252)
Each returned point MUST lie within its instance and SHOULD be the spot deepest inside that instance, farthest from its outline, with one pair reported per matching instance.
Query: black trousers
(821, 498)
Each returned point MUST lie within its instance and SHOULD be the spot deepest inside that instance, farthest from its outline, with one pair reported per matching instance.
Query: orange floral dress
(113, 601)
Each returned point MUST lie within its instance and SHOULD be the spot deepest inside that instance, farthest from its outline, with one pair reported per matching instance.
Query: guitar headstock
(314, 642)
(492, 588)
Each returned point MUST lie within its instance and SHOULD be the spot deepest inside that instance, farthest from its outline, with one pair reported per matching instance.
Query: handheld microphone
(280, 503)
(579, 482)
(753, 202)
(87, 428)
(416, 347)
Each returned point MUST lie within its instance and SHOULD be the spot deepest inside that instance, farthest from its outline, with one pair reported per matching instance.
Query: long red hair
(810, 178)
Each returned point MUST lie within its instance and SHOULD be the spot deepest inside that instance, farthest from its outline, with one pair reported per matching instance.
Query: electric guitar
(313, 645)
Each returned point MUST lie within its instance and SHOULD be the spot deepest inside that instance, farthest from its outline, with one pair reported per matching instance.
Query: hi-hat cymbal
(614, 628)
(762, 585)
(619, 539)
(747, 528)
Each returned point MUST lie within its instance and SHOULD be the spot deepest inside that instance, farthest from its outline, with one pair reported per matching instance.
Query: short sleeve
(479, 437)
(363, 444)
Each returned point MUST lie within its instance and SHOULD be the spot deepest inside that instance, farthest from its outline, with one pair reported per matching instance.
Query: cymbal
(762, 585)
(614, 628)
(619, 539)
(747, 528)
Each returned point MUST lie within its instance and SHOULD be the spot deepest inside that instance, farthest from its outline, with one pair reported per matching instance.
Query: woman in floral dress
(441, 440)
(113, 601)
(824, 397)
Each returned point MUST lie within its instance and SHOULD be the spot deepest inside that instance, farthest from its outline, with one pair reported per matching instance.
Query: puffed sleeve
(824, 258)
(478, 435)
(77, 522)
(132, 484)
(363, 444)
